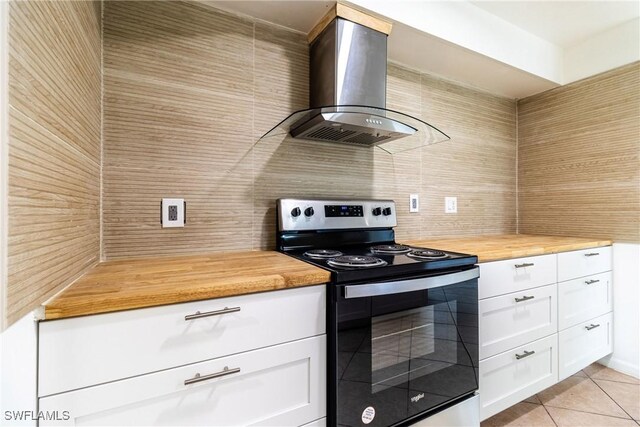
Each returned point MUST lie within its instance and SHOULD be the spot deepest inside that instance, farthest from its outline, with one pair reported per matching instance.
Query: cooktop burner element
(427, 254)
(355, 241)
(322, 253)
(356, 261)
(390, 249)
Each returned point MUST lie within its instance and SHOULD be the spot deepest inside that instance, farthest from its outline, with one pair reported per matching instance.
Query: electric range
(402, 323)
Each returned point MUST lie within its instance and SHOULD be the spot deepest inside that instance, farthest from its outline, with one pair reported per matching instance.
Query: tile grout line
(547, 411)
(587, 412)
(593, 413)
(610, 397)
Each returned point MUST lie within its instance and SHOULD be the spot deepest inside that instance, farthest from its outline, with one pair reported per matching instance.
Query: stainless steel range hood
(348, 94)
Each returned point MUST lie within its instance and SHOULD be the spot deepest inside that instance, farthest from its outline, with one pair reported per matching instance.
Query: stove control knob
(295, 212)
(308, 211)
(386, 211)
(376, 211)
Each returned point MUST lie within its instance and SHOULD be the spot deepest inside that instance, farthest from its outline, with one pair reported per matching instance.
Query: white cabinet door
(585, 298)
(283, 385)
(84, 351)
(509, 377)
(505, 277)
(585, 343)
(572, 265)
(514, 319)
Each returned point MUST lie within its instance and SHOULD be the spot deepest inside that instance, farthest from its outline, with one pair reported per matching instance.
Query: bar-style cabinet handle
(591, 326)
(197, 378)
(525, 298)
(591, 282)
(592, 254)
(198, 315)
(524, 264)
(525, 354)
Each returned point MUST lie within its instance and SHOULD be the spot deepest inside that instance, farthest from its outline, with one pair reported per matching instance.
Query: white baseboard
(621, 366)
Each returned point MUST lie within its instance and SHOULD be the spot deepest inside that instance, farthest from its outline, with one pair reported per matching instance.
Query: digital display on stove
(332, 211)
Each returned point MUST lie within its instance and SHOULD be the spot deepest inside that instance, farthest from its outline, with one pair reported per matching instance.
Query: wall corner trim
(4, 154)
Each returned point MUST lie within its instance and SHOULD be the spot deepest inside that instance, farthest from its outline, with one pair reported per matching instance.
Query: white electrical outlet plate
(450, 205)
(173, 213)
(414, 203)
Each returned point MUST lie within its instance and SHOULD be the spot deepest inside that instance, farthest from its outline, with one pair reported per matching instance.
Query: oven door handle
(401, 286)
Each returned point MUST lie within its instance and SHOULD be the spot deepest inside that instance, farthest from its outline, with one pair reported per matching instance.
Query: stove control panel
(309, 214)
(336, 211)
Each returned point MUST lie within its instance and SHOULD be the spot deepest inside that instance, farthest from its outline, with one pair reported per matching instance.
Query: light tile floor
(594, 397)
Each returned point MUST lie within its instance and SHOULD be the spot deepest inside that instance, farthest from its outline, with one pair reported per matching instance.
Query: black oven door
(399, 350)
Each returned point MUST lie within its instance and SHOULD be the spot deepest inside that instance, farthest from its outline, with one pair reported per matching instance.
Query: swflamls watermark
(37, 415)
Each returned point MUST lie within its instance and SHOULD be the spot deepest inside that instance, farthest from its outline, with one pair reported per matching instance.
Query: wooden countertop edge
(87, 302)
(110, 302)
(500, 254)
(69, 310)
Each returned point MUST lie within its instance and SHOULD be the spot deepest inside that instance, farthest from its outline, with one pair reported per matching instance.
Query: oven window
(405, 354)
(403, 347)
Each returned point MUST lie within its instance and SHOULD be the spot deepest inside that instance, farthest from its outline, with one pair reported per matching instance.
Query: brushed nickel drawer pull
(525, 298)
(197, 378)
(591, 326)
(591, 282)
(592, 254)
(525, 354)
(524, 264)
(198, 315)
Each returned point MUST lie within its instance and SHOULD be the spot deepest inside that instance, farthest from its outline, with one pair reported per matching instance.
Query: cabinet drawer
(283, 385)
(585, 343)
(506, 379)
(582, 299)
(504, 277)
(514, 319)
(572, 265)
(81, 352)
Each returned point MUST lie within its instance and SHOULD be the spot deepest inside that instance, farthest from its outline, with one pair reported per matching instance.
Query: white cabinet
(255, 359)
(511, 275)
(508, 321)
(585, 343)
(509, 377)
(282, 385)
(582, 263)
(83, 351)
(584, 298)
(541, 320)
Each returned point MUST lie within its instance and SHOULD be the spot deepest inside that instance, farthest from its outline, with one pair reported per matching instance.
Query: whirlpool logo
(417, 397)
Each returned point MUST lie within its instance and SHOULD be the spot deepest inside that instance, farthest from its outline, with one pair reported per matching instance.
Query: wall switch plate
(172, 213)
(414, 203)
(450, 205)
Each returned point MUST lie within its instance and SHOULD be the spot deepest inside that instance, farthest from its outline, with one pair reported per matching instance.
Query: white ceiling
(432, 55)
(299, 15)
(559, 24)
(563, 23)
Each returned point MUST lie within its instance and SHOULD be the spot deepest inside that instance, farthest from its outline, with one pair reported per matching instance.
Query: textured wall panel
(579, 158)
(178, 122)
(188, 91)
(54, 148)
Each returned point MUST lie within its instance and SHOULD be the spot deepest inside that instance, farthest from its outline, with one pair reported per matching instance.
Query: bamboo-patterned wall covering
(579, 158)
(188, 91)
(54, 148)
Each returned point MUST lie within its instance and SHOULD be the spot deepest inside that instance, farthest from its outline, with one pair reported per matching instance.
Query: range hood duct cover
(348, 75)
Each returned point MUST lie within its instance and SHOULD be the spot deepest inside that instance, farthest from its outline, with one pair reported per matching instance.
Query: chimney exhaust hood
(348, 75)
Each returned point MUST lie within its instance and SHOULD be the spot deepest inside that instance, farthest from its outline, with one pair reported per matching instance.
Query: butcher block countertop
(506, 246)
(146, 282)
